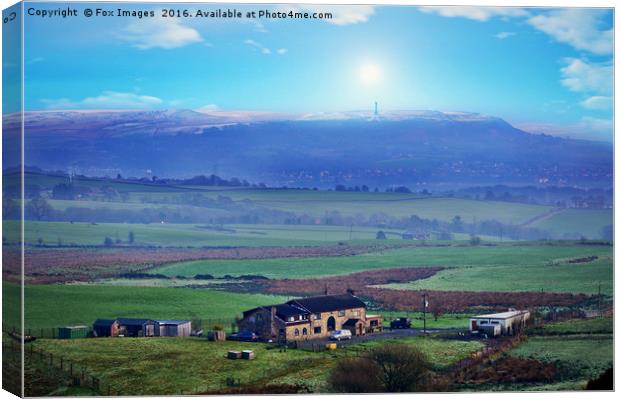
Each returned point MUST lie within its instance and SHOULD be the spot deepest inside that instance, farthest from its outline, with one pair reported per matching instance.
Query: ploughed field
(122, 283)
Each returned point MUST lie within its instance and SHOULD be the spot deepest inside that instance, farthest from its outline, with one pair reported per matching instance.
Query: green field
(597, 325)
(196, 235)
(202, 235)
(534, 261)
(588, 222)
(579, 357)
(161, 366)
(565, 277)
(58, 305)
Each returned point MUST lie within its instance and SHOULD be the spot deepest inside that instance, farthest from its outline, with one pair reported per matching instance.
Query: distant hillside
(307, 150)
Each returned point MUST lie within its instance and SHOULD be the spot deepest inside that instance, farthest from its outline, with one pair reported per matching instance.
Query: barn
(510, 323)
(174, 328)
(137, 327)
(105, 328)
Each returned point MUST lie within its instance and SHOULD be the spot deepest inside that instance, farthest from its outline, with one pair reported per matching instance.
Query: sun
(370, 73)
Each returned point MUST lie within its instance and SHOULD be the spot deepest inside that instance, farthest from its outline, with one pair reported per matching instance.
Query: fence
(228, 324)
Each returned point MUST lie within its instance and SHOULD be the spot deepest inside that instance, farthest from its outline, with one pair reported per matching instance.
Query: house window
(291, 318)
(317, 316)
(297, 332)
(341, 313)
(259, 317)
(317, 330)
(304, 331)
(356, 313)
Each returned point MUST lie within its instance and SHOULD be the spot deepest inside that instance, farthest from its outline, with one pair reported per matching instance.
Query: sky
(543, 70)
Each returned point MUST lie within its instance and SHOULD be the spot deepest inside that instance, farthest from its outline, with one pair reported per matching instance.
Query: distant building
(105, 328)
(510, 323)
(129, 327)
(310, 318)
(174, 328)
(137, 327)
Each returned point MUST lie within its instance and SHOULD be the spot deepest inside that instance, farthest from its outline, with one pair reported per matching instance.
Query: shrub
(108, 242)
(355, 375)
(403, 368)
(388, 368)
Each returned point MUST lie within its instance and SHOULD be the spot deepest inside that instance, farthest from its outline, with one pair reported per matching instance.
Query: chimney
(273, 322)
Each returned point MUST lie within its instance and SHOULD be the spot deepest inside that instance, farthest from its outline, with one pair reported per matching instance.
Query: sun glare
(370, 73)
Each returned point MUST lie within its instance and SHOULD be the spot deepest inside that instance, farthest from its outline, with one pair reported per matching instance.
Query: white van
(338, 335)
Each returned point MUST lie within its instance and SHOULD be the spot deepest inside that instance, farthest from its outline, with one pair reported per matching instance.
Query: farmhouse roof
(351, 323)
(328, 303)
(104, 322)
(286, 310)
(132, 322)
(172, 322)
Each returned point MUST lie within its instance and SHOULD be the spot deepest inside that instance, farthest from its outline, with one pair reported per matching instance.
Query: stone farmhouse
(311, 318)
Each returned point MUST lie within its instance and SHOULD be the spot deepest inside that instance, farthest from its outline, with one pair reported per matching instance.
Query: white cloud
(106, 100)
(345, 15)
(586, 128)
(597, 125)
(580, 76)
(257, 45)
(504, 35)
(578, 27)
(603, 103)
(282, 51)
(475, 13)
(166, 33)
(209, 107)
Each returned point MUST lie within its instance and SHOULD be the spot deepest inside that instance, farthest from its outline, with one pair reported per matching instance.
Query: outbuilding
(510, 322)
(71, 332)
(138, 327)
(105, 328)
(174, 328)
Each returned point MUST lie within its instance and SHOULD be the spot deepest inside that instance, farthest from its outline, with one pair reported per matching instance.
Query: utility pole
(599, 300)
(424, 304)
(350, 232)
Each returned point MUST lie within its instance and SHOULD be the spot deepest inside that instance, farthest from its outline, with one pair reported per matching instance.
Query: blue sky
(545, 70)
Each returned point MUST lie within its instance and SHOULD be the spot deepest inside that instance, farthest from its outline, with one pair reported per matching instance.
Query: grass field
(588, 222)
(598, 325)
(190, 365)
(580, 357)
(58, 305)
(197, 235)
(574, 278)
(481, 265)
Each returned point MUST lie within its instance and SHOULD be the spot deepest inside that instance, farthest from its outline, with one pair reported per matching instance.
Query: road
(385, 334)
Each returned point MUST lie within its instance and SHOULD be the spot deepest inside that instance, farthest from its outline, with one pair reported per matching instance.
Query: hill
(413, 148)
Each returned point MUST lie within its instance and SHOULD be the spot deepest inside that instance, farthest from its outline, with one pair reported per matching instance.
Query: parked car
(247, 336)
(401, 322)
(338, 335)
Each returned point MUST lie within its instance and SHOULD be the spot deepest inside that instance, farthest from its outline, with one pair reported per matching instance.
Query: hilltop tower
(375, 114)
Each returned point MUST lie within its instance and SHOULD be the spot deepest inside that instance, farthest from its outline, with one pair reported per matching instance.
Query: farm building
(71, 332)
(509, 323)
(105, 328)
(137, 327)
(174, 328)
(310, 318)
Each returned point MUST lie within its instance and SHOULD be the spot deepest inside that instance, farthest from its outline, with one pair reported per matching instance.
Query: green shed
(71, 332)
